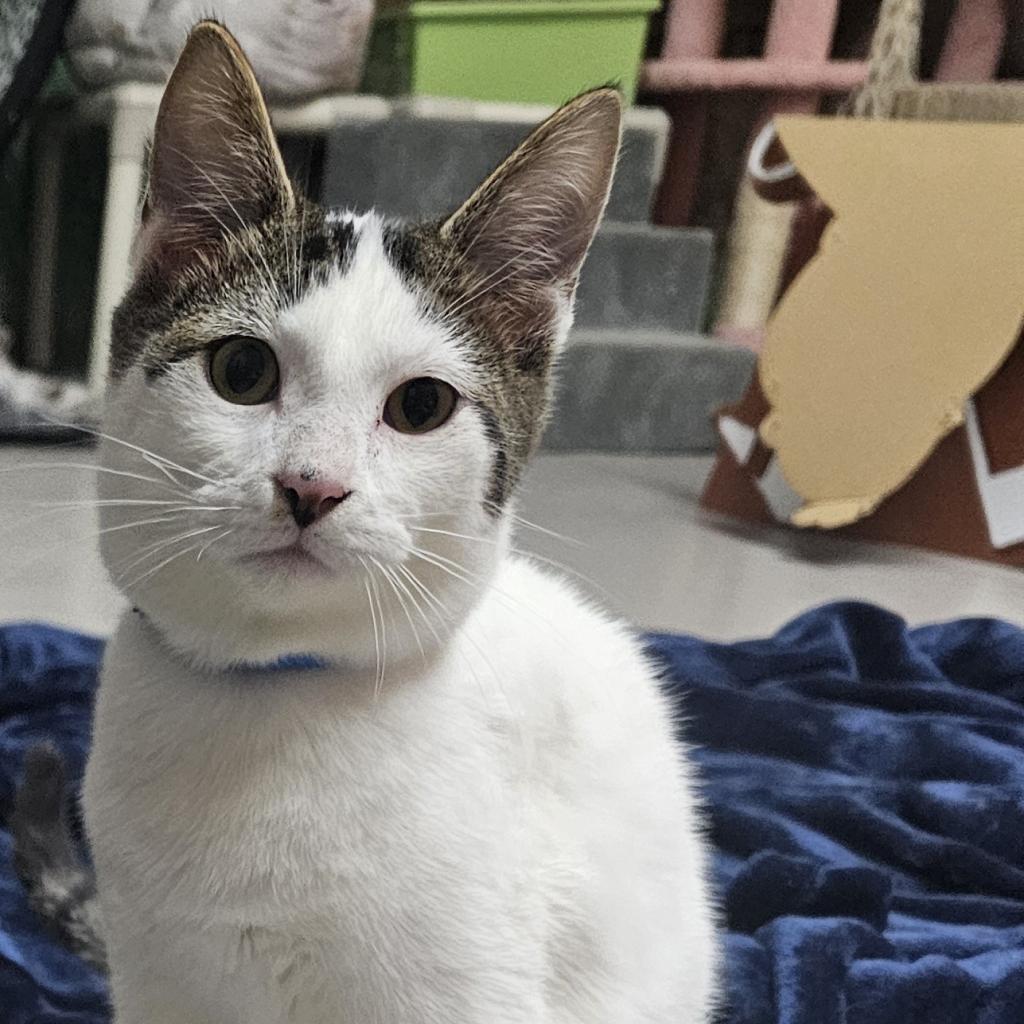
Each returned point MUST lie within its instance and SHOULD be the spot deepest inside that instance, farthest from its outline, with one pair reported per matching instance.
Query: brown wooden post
(694, 29)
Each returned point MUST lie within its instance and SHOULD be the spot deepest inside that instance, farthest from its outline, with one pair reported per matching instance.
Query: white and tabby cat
(464, 803)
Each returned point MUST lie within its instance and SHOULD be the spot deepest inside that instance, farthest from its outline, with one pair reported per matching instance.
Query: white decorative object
(1002, 493)
(299, 48)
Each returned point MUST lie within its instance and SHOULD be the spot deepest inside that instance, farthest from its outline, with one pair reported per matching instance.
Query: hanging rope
(894, 60)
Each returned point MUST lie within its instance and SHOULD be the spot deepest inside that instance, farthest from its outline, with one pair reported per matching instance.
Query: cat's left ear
(215, 167)
(530, 224)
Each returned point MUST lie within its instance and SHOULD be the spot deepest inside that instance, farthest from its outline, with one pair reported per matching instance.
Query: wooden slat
(948, 101)
(668, 76)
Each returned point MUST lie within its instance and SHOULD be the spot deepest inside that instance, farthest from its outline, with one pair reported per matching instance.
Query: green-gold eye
(244, 370)
(420, 405)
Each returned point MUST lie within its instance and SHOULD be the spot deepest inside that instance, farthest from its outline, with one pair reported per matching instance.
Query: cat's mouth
(293, 559)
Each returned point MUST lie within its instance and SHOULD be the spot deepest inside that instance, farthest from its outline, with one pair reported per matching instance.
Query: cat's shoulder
(563, 661)
(544, 603)
(547, 586)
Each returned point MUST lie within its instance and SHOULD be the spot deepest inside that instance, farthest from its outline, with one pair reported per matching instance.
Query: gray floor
(638, 535)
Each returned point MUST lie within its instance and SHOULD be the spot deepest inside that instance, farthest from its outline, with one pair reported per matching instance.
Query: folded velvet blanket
(865, 788)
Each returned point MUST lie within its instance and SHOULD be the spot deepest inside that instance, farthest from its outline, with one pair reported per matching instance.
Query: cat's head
(316, 421)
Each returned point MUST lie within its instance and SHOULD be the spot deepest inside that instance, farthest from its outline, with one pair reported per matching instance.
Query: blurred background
(405, 105)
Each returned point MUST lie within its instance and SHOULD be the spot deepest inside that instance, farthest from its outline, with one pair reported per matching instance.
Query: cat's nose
(310, 500)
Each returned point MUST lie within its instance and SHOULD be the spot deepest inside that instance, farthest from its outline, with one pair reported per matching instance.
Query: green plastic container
(521, 51)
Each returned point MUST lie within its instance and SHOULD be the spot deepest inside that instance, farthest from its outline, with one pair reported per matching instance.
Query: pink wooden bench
(796, 69)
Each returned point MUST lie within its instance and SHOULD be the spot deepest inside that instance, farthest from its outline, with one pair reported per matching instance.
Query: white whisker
(561, 566)
(438, 561)
(376, 632)
(131, 526)
(512, 515)
(85, 466)
(379, 685)
(65, 542)
(464, 633)
(213, 540)
(156, 464)
(157, 568)
(96, 503)
(543, 529)
(134, 447)
(395, 583)
(158, 545)
(427, 596)
(476, 581)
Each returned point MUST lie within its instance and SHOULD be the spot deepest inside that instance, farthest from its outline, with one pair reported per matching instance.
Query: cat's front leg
(151, 1001)
(138, 1009)
(188, 975)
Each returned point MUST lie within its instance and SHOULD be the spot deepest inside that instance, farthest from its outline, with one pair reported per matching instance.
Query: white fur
(498, 830)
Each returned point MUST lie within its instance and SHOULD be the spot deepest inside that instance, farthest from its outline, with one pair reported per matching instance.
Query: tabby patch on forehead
(248, 278)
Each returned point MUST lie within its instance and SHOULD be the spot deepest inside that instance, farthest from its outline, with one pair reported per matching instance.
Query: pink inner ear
(215, 169)
(169, 246)
(538, 237)
(532, 221)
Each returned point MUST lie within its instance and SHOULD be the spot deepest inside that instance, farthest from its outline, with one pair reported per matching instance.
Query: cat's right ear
(532, 221)
(215, 167)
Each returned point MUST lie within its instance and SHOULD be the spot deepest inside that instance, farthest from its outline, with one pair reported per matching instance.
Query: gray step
(644, 391)
(642, 277)
(421, 157)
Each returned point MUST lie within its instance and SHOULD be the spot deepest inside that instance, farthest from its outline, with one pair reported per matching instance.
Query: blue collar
(286, 663)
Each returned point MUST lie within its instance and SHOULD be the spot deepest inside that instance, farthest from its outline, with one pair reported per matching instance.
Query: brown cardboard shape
(913, 301)
(940, 507)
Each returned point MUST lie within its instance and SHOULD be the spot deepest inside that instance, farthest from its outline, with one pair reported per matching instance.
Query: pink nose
(310, 500)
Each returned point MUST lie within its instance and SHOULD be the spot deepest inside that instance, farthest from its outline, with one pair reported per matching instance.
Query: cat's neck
(349, 623)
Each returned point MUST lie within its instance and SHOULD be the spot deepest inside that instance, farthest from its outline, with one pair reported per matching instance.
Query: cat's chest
(262, 842)
(282, 798)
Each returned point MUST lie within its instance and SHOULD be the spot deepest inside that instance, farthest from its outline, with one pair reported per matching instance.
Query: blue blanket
(865, 784)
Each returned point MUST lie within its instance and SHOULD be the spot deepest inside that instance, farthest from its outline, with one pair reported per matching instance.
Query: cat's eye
(244, 370)
(419, 405)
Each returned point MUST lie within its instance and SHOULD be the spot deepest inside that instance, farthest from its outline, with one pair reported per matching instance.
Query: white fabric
(29, 399)
(299, 48)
